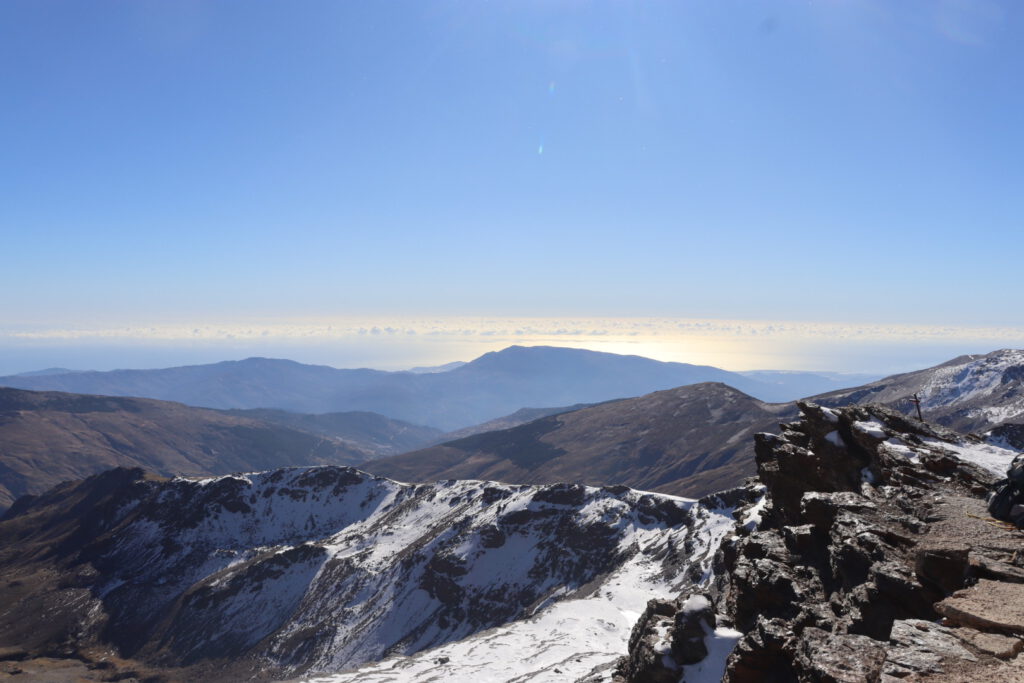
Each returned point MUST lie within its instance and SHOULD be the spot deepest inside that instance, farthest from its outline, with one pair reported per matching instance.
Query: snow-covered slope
(324, 569)
(969, 393)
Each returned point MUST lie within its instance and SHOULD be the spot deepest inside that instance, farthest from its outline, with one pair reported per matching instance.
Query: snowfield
(336, 575)
(584, 633)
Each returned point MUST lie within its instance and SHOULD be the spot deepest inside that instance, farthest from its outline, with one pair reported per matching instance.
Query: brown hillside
(50, 437)
(688, 441)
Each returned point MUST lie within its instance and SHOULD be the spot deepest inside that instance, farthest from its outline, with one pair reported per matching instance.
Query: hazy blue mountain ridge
(494, 385)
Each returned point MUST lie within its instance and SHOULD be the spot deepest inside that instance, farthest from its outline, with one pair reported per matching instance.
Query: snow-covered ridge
(324, 569)
(968, 394)
(974, 378)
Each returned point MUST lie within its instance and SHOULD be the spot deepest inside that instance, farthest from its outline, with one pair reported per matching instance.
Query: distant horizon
(394, 344)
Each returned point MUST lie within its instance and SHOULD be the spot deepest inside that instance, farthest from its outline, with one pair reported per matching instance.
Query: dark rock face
(868, 531)
(874, 530)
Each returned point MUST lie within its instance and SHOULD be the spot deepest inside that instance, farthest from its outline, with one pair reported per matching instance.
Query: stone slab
(987, 606)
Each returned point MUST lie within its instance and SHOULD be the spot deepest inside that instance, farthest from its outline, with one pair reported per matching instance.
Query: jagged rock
(763, 654)
(1012, 434)
(668, 635)
(838, 658)
(919, 647)
(987, 606)
(800, 539)
(821, 508)
(650, 646)
(871, 519)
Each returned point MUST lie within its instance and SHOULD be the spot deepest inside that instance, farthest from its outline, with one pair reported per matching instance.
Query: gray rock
(919, 647)
(838, 658)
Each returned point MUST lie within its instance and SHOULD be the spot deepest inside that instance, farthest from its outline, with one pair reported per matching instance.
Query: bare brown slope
(688, 441)
(372, 433)
(50, 437)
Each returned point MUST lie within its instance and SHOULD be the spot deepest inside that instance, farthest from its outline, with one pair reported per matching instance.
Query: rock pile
(875, 560)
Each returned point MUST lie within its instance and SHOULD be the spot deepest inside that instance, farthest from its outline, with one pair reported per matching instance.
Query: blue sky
(841, 162)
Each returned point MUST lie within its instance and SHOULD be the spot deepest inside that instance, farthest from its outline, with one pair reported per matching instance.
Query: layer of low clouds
(510, 328)
(397, 343)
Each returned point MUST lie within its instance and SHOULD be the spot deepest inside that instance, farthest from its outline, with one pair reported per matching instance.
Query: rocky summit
(875, 560)
(324, 569)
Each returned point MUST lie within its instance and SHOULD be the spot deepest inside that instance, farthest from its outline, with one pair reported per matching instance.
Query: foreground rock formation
(875, 560)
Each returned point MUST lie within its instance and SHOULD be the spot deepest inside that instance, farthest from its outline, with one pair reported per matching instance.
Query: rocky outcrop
(874, 560)
(669, 636)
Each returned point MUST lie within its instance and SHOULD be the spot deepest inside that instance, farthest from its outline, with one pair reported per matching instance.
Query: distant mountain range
(688, 441)
(494, 385)
(697, 439)
(50, 437)
(520, 417)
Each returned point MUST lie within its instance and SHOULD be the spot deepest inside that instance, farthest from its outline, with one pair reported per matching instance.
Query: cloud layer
(398, 343)
(511, 329)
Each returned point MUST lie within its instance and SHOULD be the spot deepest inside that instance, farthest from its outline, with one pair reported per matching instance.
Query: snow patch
(988, 456)
(899, 448)
(834, 439)
(871, 427)
(711, 669)
(752, 517)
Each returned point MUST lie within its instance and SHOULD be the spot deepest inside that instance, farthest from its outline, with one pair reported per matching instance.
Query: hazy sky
(225, 165)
